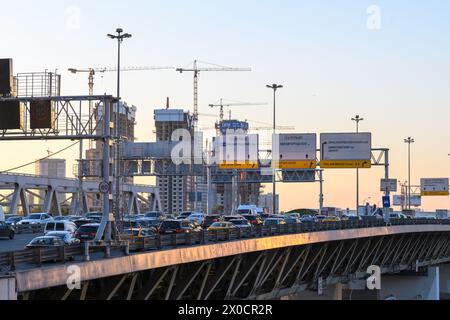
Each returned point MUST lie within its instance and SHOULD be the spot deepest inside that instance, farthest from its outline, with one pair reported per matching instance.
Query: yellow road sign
(299, 164)
(435, 193)
(345, 164)
(238, 165)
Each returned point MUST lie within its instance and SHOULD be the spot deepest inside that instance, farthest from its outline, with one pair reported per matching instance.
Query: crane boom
(221, 105)
(196, 70)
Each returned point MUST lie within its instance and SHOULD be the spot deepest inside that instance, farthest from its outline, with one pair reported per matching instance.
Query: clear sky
(331, 57)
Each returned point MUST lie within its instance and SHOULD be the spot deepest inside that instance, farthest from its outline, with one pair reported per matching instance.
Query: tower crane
(196, 70)
(93, 71)
(221, 105)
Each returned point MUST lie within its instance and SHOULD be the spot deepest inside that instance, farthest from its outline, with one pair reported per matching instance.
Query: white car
(65, 225)
(197, 217)
(36, 218)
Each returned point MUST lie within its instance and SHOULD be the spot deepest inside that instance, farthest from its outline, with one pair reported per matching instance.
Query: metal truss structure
(267, 274)
(55, 193)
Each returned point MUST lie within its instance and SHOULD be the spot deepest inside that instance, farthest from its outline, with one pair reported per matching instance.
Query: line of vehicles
(70, 230)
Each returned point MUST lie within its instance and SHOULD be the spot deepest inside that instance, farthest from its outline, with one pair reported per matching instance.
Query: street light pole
(409, 141)
(357, 119)
(119, 37)
(274, 87)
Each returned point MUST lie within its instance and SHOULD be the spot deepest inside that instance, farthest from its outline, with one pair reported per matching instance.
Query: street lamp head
(119, 30)
(126, 35)
(72, 70)
(274, 86)
(111, 36)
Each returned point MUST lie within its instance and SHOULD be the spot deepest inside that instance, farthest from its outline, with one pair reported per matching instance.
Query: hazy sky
(333, 57)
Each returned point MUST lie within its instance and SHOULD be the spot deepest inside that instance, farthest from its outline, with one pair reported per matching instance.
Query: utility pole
(409, 141)
(274, 87)
(119, 37)
(357, 119)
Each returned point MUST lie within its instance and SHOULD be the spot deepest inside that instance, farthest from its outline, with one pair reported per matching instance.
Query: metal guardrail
(62, 254)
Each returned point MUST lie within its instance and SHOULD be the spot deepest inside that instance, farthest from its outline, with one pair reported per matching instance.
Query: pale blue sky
(331, 64)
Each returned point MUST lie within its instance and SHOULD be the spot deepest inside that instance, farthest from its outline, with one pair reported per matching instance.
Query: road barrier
(39, 256)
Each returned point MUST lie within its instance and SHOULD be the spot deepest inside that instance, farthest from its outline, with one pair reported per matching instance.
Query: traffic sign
(104, 187)
(247, 165)
(346, 150)
(434, 187)
(389, 185)
(345, 164)
(299, 164)
(386, 202)
(295, 151)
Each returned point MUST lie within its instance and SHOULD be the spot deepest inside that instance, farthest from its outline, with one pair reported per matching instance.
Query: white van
(65, 225)
(247, 209)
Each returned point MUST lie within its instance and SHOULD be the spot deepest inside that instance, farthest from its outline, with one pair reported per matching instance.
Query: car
(241, 223)
(134, 235)
(184, 215)
(87, 232)
(197, 217)
(218, 226)
(126, 224)
(88, 215)
(210, 219)
(353, 218)
(253, 219)
(331, 219)
(45, 242)
(320, 218)
(36, 218)
(157, 215)
(66, 236)
(292, 220)
(6, 231)
(148, 223)
(399, 216)
(265, 216)
(246, 209)
(60, 226)
(178, 226)
(83, 221)
(274, 222)
(232, 217)
(307, 219)
(12, 221)
(294, 215)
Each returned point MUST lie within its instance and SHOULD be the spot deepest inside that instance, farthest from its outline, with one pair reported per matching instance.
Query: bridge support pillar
(415, 287)
(444, 281)
(8, 288)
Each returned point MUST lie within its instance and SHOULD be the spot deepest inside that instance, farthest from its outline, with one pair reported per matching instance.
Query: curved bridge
(268, 267)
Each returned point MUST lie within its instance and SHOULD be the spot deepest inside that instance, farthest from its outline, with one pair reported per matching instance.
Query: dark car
(82, 222)
(178, 226)
(265, 216)
(155, 215)
(210, 219)
(87, 232)
(253, 219)
(148, 223)
(13, 220)
(6, 231)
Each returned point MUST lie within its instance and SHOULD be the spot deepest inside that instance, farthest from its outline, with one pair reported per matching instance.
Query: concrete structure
(261, 268)
(266, 202)
(175, 190)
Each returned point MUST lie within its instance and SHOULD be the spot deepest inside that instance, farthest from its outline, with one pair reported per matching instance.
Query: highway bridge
(259, 263)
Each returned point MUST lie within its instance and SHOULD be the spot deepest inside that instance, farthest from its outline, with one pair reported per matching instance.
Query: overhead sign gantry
(346, 150)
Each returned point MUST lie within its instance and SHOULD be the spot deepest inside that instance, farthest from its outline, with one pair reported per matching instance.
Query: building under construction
(177, 192)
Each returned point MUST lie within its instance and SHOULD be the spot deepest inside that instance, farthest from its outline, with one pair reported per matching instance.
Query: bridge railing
(39, 256)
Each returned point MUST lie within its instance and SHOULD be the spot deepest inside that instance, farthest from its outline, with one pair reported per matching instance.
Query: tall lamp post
(119, 37)
(274, 87)
(357, 119)
(409, 141)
